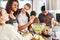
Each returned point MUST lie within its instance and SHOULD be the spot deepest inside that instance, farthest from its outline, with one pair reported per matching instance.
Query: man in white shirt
(23, 18)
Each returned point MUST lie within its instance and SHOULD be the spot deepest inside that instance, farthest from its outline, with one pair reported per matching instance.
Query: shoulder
(40, 14)
(50, 14)
(9, 26)
(27, 14)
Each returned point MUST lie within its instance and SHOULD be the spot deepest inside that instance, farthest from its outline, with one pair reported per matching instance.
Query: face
(5, 15)
(32, 17)
(14, 6)
(44, 12)
(26, 8)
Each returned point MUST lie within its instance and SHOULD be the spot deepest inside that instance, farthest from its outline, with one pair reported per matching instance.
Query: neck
(11, 12)
(11, 15)
(22, 11)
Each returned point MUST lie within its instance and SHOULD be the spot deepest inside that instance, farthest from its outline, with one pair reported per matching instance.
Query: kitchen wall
(37, 5)
(58, 5)
(53, 4)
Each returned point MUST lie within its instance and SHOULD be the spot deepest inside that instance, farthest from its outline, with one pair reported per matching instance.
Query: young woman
(7, 31)
(11, 7)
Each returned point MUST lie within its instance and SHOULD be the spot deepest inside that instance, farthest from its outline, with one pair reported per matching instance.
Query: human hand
(32, 18)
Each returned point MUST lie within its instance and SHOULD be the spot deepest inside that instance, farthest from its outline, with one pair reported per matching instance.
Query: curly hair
(9, 5)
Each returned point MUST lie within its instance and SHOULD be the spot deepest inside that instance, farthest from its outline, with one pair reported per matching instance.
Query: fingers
(32, 18)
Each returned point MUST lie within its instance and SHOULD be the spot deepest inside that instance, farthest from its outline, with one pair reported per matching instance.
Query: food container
(38, 27)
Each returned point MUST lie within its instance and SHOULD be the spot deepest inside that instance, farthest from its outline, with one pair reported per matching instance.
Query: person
(36, 20)
(7, 31)
(11, 8)
(45, 17)
(24, 19)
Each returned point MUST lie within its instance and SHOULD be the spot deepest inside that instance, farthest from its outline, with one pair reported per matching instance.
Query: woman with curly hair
(11, 8)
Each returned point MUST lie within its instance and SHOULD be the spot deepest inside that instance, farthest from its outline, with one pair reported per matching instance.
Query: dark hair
(1, 11)
(9, 5)
(28, 5)
(33, 13)
(43, 8)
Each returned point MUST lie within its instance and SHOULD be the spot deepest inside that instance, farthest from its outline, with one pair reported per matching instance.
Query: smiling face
(25, 9)
(14, 6)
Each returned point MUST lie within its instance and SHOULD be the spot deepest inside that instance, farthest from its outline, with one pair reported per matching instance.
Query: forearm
(24, 26)
(27, 24)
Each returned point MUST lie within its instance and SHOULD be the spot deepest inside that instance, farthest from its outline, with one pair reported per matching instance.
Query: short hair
(33, 13)
(28, 5)
(43, 8)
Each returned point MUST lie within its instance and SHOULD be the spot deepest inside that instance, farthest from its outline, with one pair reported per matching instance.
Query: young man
(45, 17)
(23, 18)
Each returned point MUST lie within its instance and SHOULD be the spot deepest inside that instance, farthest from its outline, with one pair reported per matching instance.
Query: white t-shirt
(8, 32)
(23, 19)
